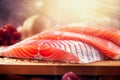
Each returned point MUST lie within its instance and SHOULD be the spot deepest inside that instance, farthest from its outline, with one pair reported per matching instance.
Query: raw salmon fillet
(66, 46)
(109, 34)
(105, 46)
(59, 50)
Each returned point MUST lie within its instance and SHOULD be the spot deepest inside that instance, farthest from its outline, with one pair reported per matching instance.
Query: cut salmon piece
(107, 47)
(110, 34)
(19, 51)
(56, 50)
(64, 46)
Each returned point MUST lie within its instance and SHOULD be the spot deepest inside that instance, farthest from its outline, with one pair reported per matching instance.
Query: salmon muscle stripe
(51, 53)
(45, 53)
(108, 48)
(59, 50)
(20, 51)
(42, 52)
(109, 34)
(85, 53)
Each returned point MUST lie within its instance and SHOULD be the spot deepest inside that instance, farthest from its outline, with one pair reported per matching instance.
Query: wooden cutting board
(24, 67)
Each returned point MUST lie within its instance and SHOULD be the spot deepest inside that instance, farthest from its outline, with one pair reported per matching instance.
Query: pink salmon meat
(66, 46)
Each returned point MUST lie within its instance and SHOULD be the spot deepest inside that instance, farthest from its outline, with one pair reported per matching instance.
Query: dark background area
(16, 11)
(11, 11)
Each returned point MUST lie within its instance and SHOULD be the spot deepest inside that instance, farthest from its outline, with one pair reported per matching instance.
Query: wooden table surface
(101, 68)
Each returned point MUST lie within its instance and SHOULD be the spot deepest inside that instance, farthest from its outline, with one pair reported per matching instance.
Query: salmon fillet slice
(110, 34)
(58, 50)
(67, 46)
(104, 46)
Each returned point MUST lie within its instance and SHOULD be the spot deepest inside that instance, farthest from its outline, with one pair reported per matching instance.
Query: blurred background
(62, 12)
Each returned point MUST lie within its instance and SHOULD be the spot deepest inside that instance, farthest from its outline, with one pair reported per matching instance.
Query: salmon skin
(64, 46)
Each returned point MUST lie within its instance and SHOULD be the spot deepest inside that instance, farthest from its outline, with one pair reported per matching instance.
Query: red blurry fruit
(9, 35)
(1, 41)
(70, 76)
(16, 35)
(10, 27)
(1, 32)
(5, 42)
(12, 41)
(6, 34)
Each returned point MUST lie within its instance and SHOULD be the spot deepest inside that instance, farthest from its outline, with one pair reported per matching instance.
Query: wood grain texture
(102, 68)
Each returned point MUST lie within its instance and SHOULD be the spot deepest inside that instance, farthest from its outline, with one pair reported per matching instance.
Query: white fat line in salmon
(84, 52)
(99, 43)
